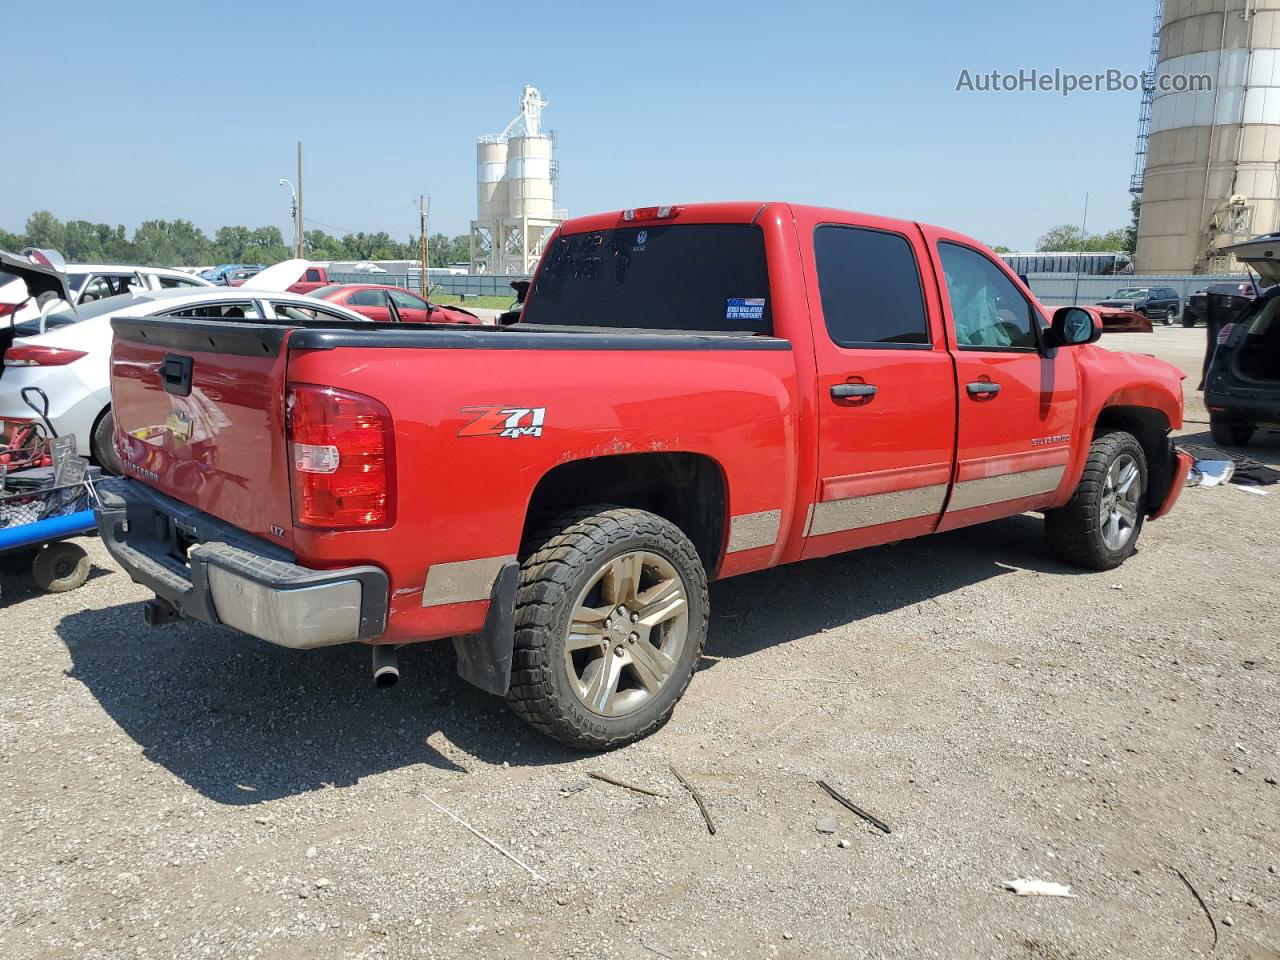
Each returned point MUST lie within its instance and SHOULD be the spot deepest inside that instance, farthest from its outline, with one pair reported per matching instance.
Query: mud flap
(484, 658)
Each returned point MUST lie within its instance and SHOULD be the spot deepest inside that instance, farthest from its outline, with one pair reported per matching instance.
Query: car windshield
(656, 276)
(66, 317)
(1130, 293)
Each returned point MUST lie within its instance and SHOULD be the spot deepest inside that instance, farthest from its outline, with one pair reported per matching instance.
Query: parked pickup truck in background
(313, 278)
(691, 393)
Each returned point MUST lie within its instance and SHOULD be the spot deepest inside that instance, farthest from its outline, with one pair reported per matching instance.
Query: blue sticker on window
(744, 308)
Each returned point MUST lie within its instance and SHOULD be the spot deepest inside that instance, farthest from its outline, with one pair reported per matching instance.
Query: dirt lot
(190, 793)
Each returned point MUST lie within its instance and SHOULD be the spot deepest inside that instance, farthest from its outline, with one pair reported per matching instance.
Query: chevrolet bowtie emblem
(179, 426)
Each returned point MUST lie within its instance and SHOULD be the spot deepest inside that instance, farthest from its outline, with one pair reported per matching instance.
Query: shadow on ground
(16, 584)
(243, 722)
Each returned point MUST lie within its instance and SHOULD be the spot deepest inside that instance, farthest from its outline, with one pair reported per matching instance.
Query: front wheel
(611, 617)
(1099, 526)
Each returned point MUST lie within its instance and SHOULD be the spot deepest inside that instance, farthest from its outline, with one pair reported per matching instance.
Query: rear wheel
(60, 567)
(101, 447)
(611, 617)
(1231, 433)
(1100, 525)
(1170, 316)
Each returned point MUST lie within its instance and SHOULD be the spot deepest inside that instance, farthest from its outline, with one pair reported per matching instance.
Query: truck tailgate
(199, 411)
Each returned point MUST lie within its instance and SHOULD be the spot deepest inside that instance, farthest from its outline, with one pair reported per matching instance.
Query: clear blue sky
(148, 111)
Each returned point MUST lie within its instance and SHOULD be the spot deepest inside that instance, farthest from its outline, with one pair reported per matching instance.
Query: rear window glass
(659, 277)
(870, 287)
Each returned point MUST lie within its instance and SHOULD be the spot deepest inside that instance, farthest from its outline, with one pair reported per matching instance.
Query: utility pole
(422, 242)
(298, 239)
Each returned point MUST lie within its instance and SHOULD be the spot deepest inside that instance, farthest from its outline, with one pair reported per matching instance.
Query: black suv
(1237, 294)
(1242, 388)
(1154, 303)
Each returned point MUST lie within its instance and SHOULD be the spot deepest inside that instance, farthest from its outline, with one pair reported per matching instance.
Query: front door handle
(853, 391)
(983, 388)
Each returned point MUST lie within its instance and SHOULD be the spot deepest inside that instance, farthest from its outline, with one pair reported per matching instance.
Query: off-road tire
(1188, 319)
(60, 567)
(1230, 433)
(1074, 531)
(558, 561)
(101, 447)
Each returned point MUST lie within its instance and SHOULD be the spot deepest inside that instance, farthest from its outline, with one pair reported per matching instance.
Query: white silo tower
(1214, 146)
(515, 193)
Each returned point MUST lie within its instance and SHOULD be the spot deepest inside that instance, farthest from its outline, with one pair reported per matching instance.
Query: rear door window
(299, 313)
(701, 277)
(368, 298)
(233, 310)
(870, 287)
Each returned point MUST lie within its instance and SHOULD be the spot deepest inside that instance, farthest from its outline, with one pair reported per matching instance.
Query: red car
(374, 300)
(691, 393)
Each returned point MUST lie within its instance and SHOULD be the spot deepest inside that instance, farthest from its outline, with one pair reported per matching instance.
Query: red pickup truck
(691, 393)
(313, 278)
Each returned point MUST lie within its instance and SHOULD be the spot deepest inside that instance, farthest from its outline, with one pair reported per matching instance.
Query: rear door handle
(846, 391)
(983, 388)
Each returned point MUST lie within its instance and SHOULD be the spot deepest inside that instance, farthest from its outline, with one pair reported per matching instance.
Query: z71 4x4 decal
(501, 421)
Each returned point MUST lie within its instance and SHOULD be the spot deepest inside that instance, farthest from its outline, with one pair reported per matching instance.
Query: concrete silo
(515, 173)
(1212, 173)
(491, 179)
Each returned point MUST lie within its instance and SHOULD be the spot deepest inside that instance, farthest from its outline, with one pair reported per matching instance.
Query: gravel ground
(191, 793)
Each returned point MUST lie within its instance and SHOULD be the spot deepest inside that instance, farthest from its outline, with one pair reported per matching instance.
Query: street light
(293, 214)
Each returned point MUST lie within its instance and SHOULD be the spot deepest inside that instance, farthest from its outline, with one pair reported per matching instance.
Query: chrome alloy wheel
(627, 632)
(1118, 516)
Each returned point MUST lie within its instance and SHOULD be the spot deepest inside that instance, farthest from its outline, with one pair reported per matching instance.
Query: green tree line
(180, 243)
(1066, 236)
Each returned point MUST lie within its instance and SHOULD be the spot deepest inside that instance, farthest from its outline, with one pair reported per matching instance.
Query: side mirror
(521, 287)
(1073, 327)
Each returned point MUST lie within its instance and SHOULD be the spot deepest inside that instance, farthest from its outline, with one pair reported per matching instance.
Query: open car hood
(1262, 254)
(279, 277)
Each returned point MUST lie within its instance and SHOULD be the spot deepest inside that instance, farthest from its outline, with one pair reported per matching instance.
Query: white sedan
(97, 281)
(70, 360)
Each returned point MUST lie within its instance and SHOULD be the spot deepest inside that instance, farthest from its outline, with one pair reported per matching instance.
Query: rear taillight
(20, 356)
(7, 309)
(1225, 332)
(343, 451)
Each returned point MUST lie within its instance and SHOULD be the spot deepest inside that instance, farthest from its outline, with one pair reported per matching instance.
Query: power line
(331, 226)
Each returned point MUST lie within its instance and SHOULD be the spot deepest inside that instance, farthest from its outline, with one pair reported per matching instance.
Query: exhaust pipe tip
(386, 670)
